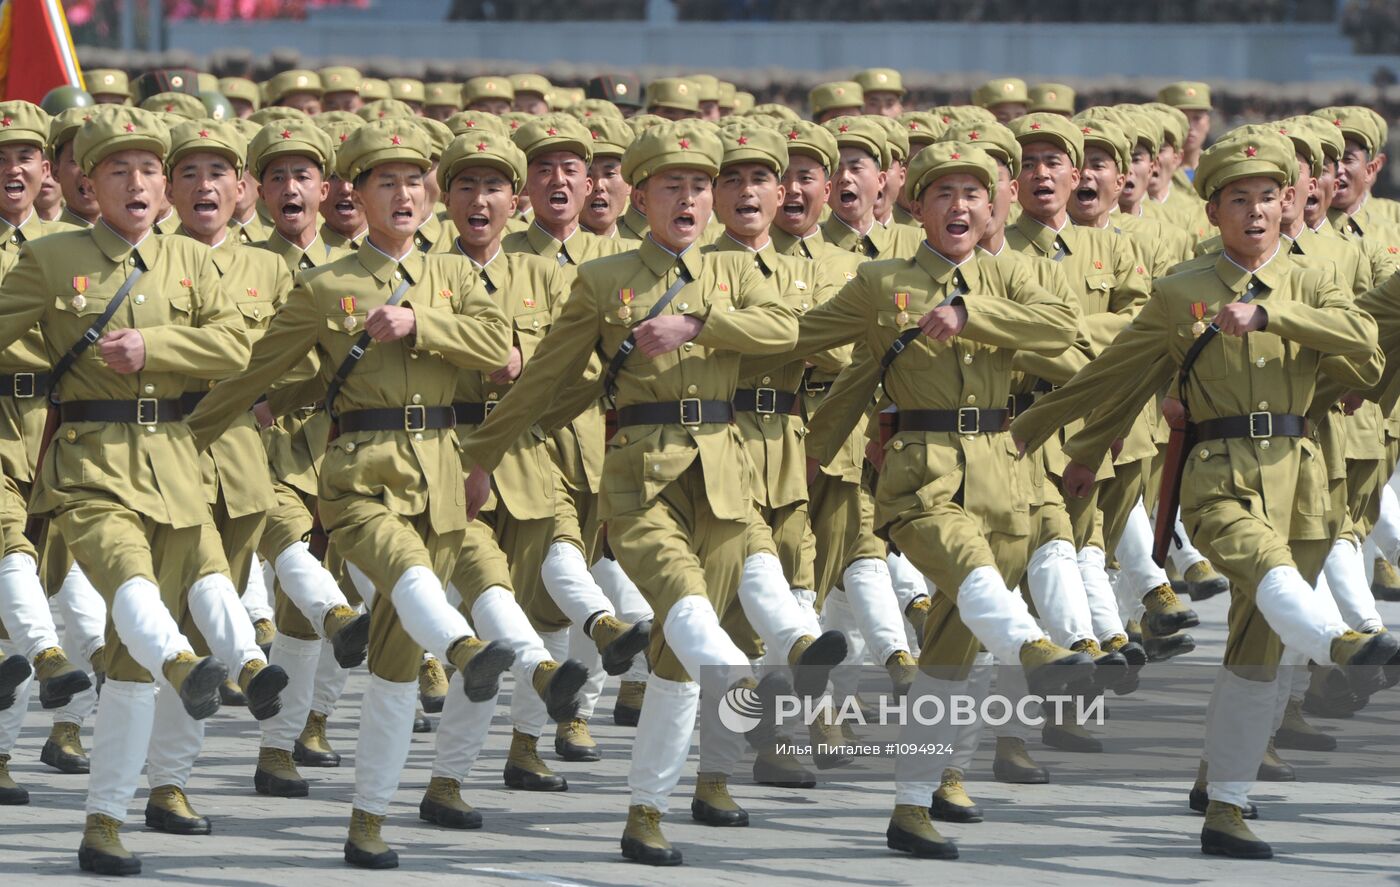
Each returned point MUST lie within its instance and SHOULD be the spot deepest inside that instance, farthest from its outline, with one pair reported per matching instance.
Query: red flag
(36, 50)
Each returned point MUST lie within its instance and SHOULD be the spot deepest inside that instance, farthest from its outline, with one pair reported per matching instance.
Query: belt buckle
(1261, 425)
(969, 420)
(24, 385)
(487, 407)
(147, 411)
(1011, 406)
(765, 400)
(814, 387)
(415, 418)
(690, 411)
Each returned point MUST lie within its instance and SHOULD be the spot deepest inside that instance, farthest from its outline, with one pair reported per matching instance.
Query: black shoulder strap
(898, 345)
(357, 351)
(1197, 347)
(629, 344)
(94, 332)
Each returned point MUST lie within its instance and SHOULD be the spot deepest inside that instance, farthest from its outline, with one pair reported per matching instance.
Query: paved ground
(1131, 822)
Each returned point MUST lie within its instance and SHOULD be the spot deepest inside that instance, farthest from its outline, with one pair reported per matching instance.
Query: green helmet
(219, 108)
(61, 98)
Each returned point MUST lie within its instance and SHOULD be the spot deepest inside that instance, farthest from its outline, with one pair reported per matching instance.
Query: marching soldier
(860, 180)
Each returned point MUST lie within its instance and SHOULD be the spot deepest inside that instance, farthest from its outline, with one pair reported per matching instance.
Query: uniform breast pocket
(182, 310)
(1211, 363)
(1100, 283)
(257, 313)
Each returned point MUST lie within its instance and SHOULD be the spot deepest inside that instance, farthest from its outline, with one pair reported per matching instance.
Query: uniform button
(257, 313)
(212, 383)
(622, 438)
(972, 398)
(967, 358)
(898, 445)
(691, 389)
(492, 396)
(683, 306)
(131, 261)
(767, 379)
(1264, 444)
(767, 417)
(417, 435)
(1259, 361)
(350, 447)
(14, 239)
(1263, 405)
(149, 388)
(71, 435)
(140, 299)
(805, 306)
(413, 354)
(1204, 454)
(150, 429)
(687, 347)
(398, 275)
(417, 398)
(535, 324)
(731, 308)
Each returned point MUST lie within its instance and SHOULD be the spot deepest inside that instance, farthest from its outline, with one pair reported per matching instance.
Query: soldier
(79, 206)
(1006, 97)
(1193, 100)
(399, 548)
(242, 94)
(494, 95)
(342, 89)
(673, 98)
(623, 90)
(883, 91)
(1050, 98)
(410, 92)
(707, 96)
(843, 98)
(1261, 528)
(530, 92)
(859, 181)
(290, 160)
(442, 100)
(108, 86)
(611, 192)
(301, 90)
(372, 89)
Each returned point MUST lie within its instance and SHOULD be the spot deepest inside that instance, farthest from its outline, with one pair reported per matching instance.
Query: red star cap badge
(551, 131)
(1035, 126)
(130, 127)
(481, 146)
(204, 133)
(6, 121)
(955, 155)
(286, 133)
(685, 143)
(344, 136)
(792, 136)
(395, 140)
(913, 125)
(743, 140)
(1086, 130)
(1337, 123)
(1251, 151)
(170, 107)
(974, 135)
(843, 128)
(471, 124)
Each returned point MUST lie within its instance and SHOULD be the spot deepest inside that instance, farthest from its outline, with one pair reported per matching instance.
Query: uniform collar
(222, 252)
(941, 268)
(762, 257)
(116, 247)
(545, 244)
(1271, 273)
(26, 228)
(1043, 237)
(382, 265)
(284, 247)
(634, 221)
(73, 218)
(428, 233)
(792, 245)
(494, 271)
(661, 260)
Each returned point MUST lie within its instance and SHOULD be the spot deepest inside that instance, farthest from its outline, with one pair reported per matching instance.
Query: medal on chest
(347, 304)
(901, 302)
(80, 285)
(624, 310)
(1198, 311)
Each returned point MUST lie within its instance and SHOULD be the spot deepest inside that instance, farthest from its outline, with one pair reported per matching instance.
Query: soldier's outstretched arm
(1032, 319)
(840, 411)
(1331, 326)
(475, 336)
(24, 296)
(759, 324)
(216, 346)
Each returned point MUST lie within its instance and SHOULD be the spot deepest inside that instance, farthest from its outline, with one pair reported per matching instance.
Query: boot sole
(524, 780)
(639, 852)
(14, 670)
(1163, 624)
(106, 864)
(351, 643)
(431, 704)
(897, 839)
(576, 754)
(1163, 648)
(62, 761)
(275, 786)
(264, 700)
(1276, 774)
(707, 814)
(813, 669)
(161, 822)
(13, 797)
(446, 817)
(1070, 742)
(1055, 676)
(481, 679)
(200, 692)
(1236, 850)
(360, 859)
(561, 696)
(1364, 671)
(422, 725)
(626, 716)
(1204, 591)
(945, 812)
(618, 656)
(307, 758)
(1021, 777)
(1292, 739)
(59, 691)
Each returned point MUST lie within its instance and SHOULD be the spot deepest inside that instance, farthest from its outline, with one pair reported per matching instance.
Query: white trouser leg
(146, 628)
(298, 658)
(1058, 591)
(662, 744)
(257, 597)
(83, 704)
(461, 732)
(566, 577)
(498, 617)
(424, 613)
(386, 729)
(1104, 599)
(917, 775)
(1386, 533)
(870, 593)
(906, 580)
(1238, 728)
(125, 714)
(837, 615)
(720, 747)
(967, 736)
(1134, 554)
(527, 710)
(1346, 578)
(12, 718)
(224, 623)
(705, 651)
(626, 598)
(1010, 681)
(582, 648)
(84, 614)
(330, 682)
(1183, 554)
(1290, 665)
(307, 584)
(176, 741)
(1305, 621)
(24, 608)
(767, 599)
(996, 615)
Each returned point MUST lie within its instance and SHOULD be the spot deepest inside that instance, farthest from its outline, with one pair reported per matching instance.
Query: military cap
(1001, 91)
(743, 101)
(775, 123)
(951, 114)
(673, 92)
(380, 108)
(686, 143)
(1353, 123)
(562, 98)
(338, 124)
(439, 95)
(163, 80)
(464, 122)
(707, 87)
(589, 109)
(642, 122)
(241, 88)
(23, 122)
(1174, 123)
(121, 129)
(372, 89)
(1186, 95)
(1243, 155)
(438, 134)
(407, 89)
(863, 133)
(478, 88)
(831, 96)
(288, 82)
(611, 136)
(299, 137)
(63, 97)
(620, 89)
(880, 80)
(206, 82)
(1382, 127)
(264, 116)
(491, 149)
(896, 136)
(1050, 128)
(1329, 137)
(747, 142)
(341, 79)
(1109, 136)
(513, 120)
(921, 127)
(107, 81)
(215, 136)
(946, 158)
(554, 132)
(812, 140)
(391, 140)
(1305, 139)
(1053, 98)
(246, 128)
(996, 139)
(65, 125)
(773, 109)
(727, 92)
(179, 103)
(1145, 126)
(535, 83)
